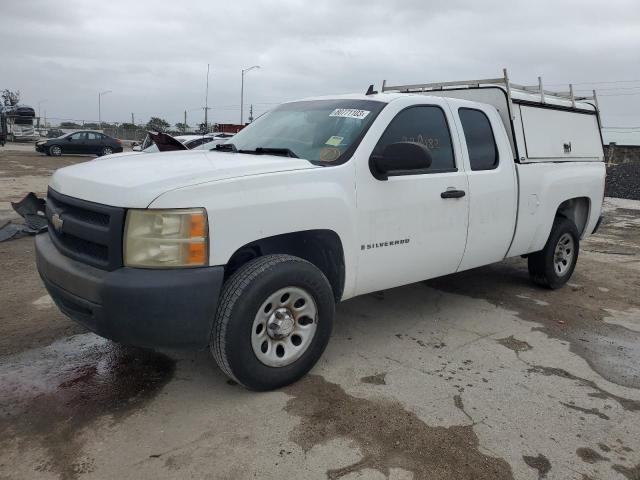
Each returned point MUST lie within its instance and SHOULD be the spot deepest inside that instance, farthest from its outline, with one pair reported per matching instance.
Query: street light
(242, 91)
(99, 107)
(40, 102)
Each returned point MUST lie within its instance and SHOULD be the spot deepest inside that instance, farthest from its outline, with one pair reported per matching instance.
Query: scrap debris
(32, 209)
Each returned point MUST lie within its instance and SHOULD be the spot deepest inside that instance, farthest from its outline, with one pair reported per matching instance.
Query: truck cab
(246, 248)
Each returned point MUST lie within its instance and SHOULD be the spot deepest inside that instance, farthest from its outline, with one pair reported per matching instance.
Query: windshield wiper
(285, 152)
(227, 147)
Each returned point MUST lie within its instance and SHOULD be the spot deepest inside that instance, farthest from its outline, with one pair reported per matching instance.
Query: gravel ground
(623, 181)
(478, 375)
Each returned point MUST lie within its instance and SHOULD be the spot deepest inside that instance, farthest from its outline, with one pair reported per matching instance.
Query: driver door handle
(453, 194)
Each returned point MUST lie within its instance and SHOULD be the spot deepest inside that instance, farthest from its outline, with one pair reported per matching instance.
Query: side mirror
(69, 139)
(400, 158)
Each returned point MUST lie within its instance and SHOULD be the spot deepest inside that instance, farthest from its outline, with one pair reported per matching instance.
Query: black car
(82, 142)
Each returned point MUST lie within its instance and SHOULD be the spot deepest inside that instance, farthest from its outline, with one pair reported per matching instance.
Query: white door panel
(407, 231)
(413, 234)
(492, 193)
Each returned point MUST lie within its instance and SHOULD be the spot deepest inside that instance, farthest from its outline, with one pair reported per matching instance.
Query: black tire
(105, 151)
(242, 297)
(542, 265)
(55, 150)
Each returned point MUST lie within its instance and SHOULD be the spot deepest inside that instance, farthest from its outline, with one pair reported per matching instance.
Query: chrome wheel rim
(284, 327)
(56, 151)
(564, 253)
(107, 151)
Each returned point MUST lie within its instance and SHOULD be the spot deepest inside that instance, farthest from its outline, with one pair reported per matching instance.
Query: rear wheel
(55, 150)
(273, 322)
(553, 266)
(106, 151)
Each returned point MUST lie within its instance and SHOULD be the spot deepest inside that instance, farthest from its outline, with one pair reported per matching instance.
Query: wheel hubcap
(284, 327)
(564, 253)
(281, 324)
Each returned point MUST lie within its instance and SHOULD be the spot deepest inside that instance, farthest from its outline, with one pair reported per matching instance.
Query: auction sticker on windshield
(350, 113)
(334, 141)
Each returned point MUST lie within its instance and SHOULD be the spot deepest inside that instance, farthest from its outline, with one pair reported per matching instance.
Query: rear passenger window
(426, 125)
(483, 152)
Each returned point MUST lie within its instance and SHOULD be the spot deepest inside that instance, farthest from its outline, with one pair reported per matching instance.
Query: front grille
(89, 232)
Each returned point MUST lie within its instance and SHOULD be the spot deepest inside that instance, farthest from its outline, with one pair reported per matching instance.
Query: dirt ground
(478, 375)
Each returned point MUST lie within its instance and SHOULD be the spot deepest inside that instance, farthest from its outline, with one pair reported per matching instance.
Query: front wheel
(55, 150)
(553, 266)
(273, 322)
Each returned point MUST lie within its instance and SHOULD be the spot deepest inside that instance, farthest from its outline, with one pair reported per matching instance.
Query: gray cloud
(154, 56)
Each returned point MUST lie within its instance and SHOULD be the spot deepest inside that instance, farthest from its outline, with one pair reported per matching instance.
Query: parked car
(82, 142)
(247, 249)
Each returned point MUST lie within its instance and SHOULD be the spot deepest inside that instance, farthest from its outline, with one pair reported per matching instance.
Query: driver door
(410, 228)
(74, 143)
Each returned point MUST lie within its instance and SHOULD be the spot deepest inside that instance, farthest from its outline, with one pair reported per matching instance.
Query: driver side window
(77, 136)
(426, 125)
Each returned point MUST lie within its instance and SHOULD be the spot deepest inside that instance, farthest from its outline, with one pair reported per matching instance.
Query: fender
(543, 188)
(247, 209)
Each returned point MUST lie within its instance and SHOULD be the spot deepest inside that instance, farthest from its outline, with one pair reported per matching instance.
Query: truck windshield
(322, 131)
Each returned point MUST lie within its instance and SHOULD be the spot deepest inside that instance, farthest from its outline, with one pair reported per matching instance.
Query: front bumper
(141, 307)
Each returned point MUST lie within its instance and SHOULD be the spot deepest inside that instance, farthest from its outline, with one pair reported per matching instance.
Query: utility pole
(206, 103)
(39, 103)
(99, 107)
(251, 113)
(133, 121)
(242, 91)
(185, 122)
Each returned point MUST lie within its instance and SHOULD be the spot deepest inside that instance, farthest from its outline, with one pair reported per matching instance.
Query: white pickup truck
(246, 249)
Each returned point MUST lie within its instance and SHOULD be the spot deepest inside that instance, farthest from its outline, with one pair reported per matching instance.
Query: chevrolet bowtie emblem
(57, 222)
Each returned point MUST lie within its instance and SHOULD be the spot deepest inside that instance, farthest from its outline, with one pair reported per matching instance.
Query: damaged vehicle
(246, 249)
(163, 142)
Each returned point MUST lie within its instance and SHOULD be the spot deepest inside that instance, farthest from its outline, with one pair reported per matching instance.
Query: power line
(608, 89)
(618, 94)
(591, 83)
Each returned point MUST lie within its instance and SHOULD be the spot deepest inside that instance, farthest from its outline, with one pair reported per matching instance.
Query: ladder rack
(504, 81)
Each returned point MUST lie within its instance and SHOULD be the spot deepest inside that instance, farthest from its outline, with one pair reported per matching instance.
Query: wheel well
(576, 210)
(323, 248)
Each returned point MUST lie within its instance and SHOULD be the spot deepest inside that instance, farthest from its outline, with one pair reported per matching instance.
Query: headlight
(166, 238)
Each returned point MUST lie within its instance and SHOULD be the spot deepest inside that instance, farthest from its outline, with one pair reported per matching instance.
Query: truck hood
(134, 181)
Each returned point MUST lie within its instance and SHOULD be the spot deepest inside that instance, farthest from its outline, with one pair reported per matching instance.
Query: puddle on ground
(626, 403)
(539, 463)
(378, 379)
(629, 319)
(514, 344)
(50, 394)
(632, 473)
(387, 435)
(589, 455)
(576, 314)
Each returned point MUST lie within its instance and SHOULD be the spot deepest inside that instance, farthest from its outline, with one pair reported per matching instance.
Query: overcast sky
(154, 55)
